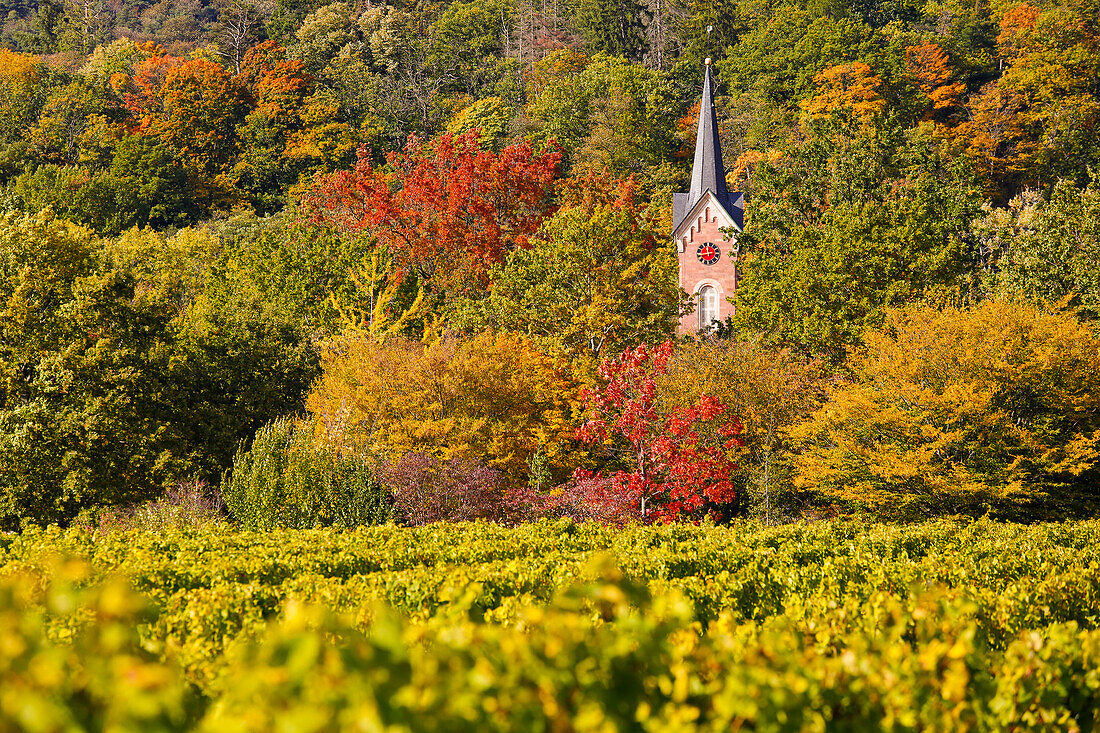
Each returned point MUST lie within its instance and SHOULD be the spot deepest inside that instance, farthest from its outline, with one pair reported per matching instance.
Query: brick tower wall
(694, 274)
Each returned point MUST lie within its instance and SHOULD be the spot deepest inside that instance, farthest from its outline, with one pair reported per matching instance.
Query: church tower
(708, 257)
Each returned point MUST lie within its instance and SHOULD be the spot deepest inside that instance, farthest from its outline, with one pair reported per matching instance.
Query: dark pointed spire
(708, 171)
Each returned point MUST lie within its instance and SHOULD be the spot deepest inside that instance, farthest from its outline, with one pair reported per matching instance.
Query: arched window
(708, 306)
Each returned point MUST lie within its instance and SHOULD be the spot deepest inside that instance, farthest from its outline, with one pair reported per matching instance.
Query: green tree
(779, 58)
(239, 357)
(598, 278)
(32, 29)
(116, 57)
(614, 27)
(144, 185)
(700, 28)
(322, 34)
(129, 364)
(467, 42)
(307, 272)
(83, 25)
(59, 134)
(1045, 250)
(82, 421)
(491, 116)
(847, 225)
(239, 361)
(610, 114)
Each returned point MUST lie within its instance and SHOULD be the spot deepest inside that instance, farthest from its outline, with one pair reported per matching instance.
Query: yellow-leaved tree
(493, 398)
(989, 408)
(21, 94)
(853, 87)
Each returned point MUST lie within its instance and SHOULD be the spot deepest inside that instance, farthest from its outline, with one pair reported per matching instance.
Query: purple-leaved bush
(427, 489)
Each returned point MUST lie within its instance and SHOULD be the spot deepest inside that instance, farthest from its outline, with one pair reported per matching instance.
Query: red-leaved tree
(446, 208)
(679, 461)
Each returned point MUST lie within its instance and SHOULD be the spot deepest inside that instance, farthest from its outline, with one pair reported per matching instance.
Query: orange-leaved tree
(21, 93)
(192, 105)
(1037, 122)
(447, 209)
(278, 85)
(278, 88)
(493, 398)
(853, 87)
(930, 68)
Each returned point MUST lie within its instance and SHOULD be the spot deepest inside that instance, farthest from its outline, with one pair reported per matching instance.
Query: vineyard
(554, 626)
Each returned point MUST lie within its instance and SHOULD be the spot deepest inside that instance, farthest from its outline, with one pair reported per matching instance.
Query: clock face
(708, 253)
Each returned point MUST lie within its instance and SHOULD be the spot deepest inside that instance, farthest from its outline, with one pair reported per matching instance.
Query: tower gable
(732, 204)
(706, 218)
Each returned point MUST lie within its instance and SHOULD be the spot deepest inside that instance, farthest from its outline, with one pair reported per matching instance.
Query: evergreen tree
(615, 27)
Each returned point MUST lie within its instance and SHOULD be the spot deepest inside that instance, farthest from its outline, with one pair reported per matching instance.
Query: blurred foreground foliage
(945, 625)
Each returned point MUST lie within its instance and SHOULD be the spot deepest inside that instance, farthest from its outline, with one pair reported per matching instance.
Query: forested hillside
(423, 249)
(237, 103)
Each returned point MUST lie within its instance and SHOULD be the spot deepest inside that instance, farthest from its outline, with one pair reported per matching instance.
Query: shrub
(427, 489)
(995, 407)
(189, 505)
(288, 479)
(587, 497)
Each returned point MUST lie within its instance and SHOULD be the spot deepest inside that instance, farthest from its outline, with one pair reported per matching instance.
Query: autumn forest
(349, 263)
(345, 381)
